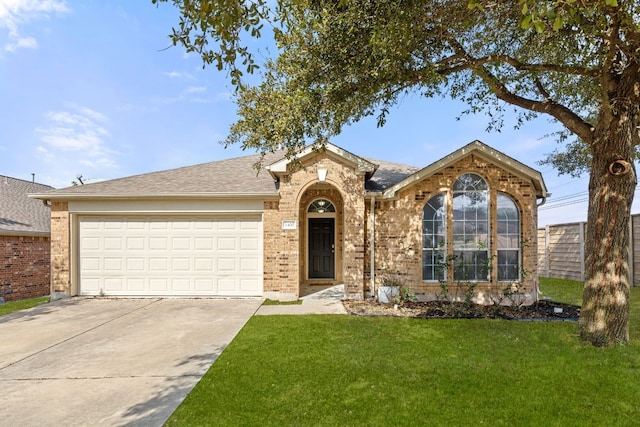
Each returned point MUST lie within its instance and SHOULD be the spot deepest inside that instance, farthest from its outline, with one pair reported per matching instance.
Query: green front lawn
(562, 290)
(334, 370)
(10, 307)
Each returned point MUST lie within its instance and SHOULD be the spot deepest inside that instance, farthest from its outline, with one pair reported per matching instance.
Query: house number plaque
(289, 224)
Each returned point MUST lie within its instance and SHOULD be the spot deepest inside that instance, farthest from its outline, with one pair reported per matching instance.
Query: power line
(568, 196)
(560, 203)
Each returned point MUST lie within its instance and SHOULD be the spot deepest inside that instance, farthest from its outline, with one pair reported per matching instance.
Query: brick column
(60, 250)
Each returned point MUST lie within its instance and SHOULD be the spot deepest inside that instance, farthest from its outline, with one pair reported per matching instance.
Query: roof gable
(482, 150)
(360, 164)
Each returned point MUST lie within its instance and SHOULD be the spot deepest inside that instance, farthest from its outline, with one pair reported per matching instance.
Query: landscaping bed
(542, 310)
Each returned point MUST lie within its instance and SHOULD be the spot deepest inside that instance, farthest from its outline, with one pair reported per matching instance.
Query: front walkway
(328, 301)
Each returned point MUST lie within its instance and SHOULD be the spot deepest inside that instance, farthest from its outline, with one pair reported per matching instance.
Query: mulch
(543, 310)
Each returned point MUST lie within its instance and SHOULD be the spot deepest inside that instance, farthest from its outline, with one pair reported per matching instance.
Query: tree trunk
(604, 318)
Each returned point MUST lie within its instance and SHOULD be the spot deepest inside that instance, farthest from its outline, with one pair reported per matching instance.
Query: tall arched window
(433, 238)
(508, 223)
(470, 228)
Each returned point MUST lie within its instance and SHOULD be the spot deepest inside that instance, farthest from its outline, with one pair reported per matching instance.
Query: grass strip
(13, 306)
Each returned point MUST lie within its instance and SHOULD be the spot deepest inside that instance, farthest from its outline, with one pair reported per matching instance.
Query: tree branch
(572, 121)
(564, 115)
(463, 61)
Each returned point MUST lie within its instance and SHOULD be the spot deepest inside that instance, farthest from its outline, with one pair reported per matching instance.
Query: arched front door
(322, 235)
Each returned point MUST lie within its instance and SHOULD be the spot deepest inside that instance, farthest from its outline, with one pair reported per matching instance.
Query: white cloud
(79, 136)
(194, 89)
(15, 14)
(178, 75)
(223, 96)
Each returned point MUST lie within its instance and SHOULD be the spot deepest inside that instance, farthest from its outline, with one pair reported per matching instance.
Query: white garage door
(177, 256)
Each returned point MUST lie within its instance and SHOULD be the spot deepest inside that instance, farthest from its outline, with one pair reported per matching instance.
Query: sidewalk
(328, 301)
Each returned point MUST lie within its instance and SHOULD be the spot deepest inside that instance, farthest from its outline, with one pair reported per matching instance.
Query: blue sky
(89, 88)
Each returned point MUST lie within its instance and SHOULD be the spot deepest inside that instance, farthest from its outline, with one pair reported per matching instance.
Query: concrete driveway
(111, 362)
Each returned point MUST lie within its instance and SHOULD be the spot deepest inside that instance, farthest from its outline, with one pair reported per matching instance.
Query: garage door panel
(112, 243)
(181, 265)
(202, 225)
(226, 265)
(136, 264)
(158, 285)
(249, 284)
(181, 285)
(91, 264)
(226, 285)
(158, 243)
(112, 265)
(203, 265)
(113, 284)
(90, 243)
(158, 225)
(249, 265)
(226, 243)
(227, 225)
(158, 264)
(206, 286)
(182, 256)
(135, 284)
(116, 225)
(204, 243)
(180, 243)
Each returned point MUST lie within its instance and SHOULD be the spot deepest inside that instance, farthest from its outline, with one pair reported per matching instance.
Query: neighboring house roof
(238, 177)
(19, 214)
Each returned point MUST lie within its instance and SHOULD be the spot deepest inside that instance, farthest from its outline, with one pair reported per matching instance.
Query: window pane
(469, 182)
(508, 265)
(432, 268)
(470, 228)
(508, 239)
(321, 206)
(433, 237)
(470, 265)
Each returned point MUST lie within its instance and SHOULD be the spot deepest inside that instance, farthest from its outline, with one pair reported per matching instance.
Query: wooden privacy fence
(561, 250)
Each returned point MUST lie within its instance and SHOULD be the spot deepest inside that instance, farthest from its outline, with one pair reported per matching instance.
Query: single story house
(24, 240)
(323, 218)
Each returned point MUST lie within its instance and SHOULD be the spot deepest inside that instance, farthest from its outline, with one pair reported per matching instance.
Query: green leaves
(217, 31)
(338, 62)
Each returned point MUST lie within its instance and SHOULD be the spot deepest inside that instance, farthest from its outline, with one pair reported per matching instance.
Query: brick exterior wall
(398, 226)
(60, 249)
(24, 267)
(285, 251)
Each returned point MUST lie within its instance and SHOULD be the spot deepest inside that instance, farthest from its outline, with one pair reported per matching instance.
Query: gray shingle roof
(234, 176)
(20, 214)
(237, 177)
(388, 174)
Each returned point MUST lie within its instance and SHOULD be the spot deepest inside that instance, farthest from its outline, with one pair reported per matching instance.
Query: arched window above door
(321, 206)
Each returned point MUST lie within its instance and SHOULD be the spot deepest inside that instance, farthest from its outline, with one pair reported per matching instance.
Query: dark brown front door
(321, 248)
